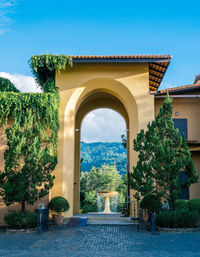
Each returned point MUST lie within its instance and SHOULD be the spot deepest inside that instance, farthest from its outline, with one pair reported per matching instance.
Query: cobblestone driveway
(100, 241)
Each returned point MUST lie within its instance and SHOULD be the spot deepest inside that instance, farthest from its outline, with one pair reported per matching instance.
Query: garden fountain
(107, 195)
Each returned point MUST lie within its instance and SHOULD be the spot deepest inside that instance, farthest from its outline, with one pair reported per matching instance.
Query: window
(181, 125)
(185, 193)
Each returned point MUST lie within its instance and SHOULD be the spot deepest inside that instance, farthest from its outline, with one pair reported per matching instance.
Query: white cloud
(7, 3)
(22, 82)
(166, 85)
(103, 125)
(6, 6)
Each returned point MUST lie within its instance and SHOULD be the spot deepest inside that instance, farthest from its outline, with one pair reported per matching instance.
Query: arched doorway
(78, 97)
(103, 161)
(95, 100)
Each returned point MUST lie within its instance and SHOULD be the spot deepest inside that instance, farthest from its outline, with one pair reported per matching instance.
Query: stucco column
(77, 171)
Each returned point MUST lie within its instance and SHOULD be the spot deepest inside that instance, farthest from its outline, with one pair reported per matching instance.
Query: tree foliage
(27, 174)
(28, 168)
(106, 178)
(162, 154)
(7, 86)
(124, 141)
(100, 153)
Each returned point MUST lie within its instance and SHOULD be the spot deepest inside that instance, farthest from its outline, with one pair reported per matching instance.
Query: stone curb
(179, 230)
(20, 231)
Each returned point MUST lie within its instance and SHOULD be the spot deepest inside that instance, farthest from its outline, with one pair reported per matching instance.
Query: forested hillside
(97, 154)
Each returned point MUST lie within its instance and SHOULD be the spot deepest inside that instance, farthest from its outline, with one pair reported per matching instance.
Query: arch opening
(99, 101)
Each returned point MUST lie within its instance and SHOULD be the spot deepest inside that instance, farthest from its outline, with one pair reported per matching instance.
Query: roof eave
(178, 90)
(120, 60)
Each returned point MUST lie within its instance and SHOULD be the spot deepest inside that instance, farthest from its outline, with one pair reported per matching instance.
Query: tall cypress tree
(27, 175)
(162, 154)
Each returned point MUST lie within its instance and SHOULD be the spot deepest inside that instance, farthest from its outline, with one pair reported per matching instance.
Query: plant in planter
(21, 220)
(58, 205)
(151, 204)
(182, 218)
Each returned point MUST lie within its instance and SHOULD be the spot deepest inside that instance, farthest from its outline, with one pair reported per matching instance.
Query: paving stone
(99, 241)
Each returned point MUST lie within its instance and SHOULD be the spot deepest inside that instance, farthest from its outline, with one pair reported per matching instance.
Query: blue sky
(29, 27)
(101, 27)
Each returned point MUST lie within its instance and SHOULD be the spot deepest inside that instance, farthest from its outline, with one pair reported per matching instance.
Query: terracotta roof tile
(158, 64)
(121, 56)
(177, 89)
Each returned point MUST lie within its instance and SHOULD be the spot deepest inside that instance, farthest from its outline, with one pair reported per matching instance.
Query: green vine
(15, 106)
(31, 119)
(43, 106)
(44, 68)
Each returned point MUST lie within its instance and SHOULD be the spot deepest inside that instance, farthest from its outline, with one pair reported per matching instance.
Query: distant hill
(97, 154)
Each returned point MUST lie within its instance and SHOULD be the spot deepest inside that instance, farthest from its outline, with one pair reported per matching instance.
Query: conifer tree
(162, 154)
(27, 175)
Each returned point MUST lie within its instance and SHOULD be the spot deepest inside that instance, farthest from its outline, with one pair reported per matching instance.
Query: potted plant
(58, 205)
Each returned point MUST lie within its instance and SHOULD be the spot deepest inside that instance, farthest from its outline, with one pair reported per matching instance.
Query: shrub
(194, 205)
(151, 203)
(182, 218)
(7, 86)
(90, 202)
(20, 220)
(59, 204)
(181, 204)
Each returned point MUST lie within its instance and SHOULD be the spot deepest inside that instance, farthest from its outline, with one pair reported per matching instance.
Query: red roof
(158, 64)
(121, 56)
(181, 88)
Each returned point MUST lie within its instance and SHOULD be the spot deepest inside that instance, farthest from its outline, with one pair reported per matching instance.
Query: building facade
(128, 85)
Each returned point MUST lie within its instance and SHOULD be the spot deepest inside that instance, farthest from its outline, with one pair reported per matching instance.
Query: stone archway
(83, 91)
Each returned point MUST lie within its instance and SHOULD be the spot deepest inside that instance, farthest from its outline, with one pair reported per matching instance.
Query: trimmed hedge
(181, 204)
(194, 205)
(182, 218)
(21, 220)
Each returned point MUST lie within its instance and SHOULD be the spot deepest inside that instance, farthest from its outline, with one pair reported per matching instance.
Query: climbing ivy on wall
(16, 108)
(44, 107)
(45, 66)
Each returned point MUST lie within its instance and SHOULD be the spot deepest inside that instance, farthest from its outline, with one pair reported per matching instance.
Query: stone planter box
(179, 230)
(20, 231)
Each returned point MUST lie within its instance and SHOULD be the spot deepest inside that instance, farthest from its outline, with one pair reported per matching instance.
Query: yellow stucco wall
(188, 108)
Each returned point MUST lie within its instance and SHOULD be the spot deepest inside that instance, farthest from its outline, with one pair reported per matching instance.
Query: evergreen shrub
(181, 204)
(162, 153)
(90, 202)
(21, 220)
(7, 86)
(182, 218)
(194, 205)
(151, 203)
(58, 204)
